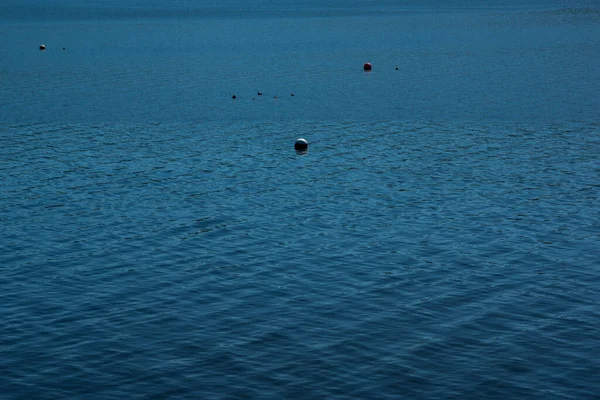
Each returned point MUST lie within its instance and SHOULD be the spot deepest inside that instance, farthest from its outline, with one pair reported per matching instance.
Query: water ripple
(172, 260)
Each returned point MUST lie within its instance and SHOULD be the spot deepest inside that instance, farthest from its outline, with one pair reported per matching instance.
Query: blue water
(161, 240)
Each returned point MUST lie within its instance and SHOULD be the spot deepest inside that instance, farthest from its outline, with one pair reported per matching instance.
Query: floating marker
(367, 66)
(259, 93)
(301, 145)
(42, 47)
(234, 97)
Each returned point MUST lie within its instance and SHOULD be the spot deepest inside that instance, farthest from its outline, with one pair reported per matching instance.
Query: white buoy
(301, 145)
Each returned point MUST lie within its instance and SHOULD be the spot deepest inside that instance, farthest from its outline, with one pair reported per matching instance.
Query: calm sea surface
(161, 240)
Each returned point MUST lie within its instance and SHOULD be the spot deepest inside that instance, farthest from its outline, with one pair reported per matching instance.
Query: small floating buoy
(64, 48)
(259, 93)
(42, 47)
(275, 97)
(234, 97)
(367, 66)
(396, 68)
(292, 94)
(301, 145)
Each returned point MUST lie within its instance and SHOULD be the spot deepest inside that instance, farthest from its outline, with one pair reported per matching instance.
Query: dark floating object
(64, 48)
(396, 68)
(259, 93)
(367, 66)
(42, 47)
(275, 97)
(234, 97)
(292, 94)
(301, 145)
(253, 98)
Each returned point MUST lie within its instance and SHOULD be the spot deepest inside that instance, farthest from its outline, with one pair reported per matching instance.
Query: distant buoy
(301, 145)
(275, 97)
(292, 94)
(42, 47)
(234, 97)
(367, 66)
(396, 68)
(259, 93)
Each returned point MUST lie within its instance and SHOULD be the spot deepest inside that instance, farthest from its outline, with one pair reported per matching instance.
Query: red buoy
(367, 66)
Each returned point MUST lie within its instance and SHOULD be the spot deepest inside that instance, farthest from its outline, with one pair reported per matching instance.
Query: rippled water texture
(439, 238)
(433, 261)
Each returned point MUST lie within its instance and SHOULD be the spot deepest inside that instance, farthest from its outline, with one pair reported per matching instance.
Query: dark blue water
(439, 239)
